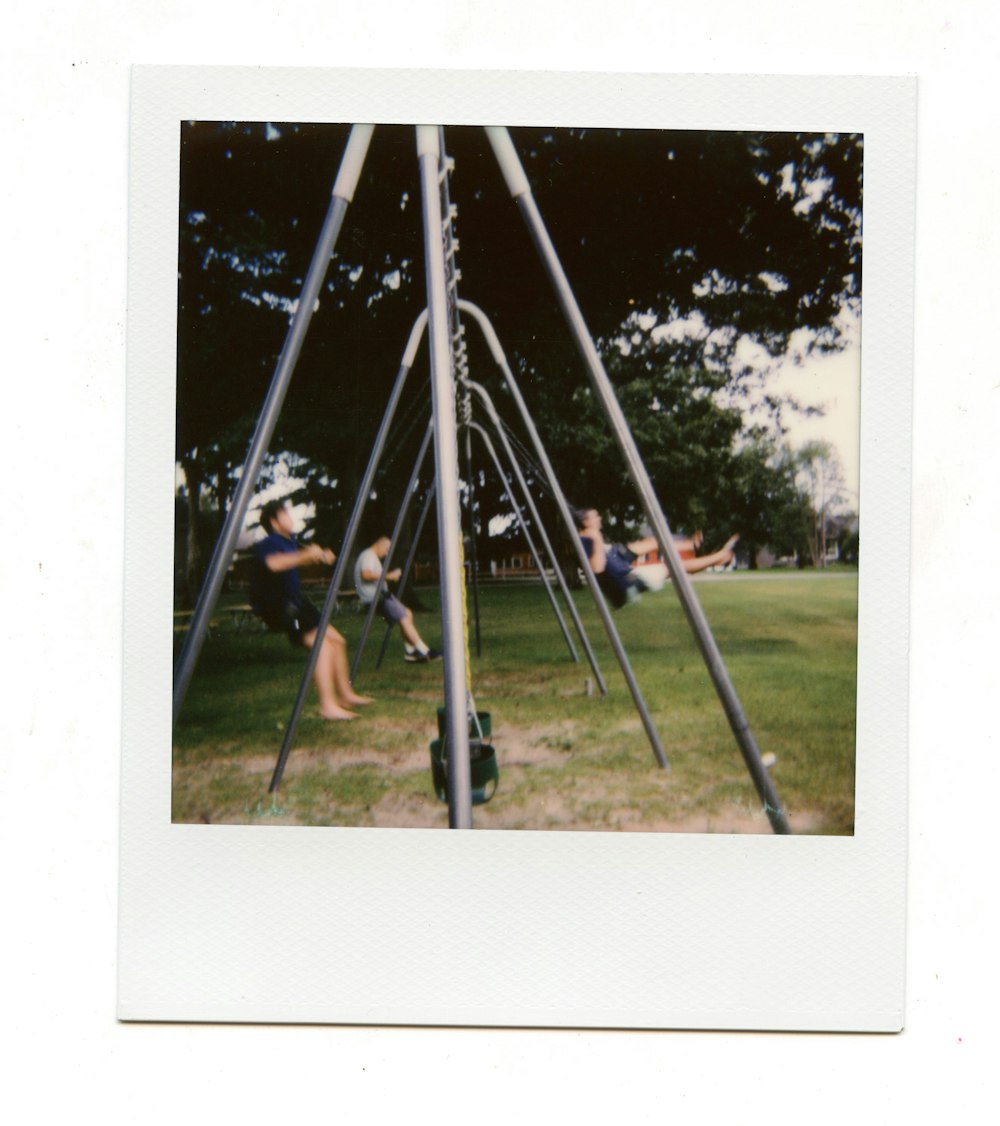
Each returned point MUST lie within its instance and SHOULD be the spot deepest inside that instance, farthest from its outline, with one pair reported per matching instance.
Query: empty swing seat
(483, 769)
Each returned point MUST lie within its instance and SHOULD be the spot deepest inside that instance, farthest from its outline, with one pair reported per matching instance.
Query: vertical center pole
(448, 504)
(473, 559)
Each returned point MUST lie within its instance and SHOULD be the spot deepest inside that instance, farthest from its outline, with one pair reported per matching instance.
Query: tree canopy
(683, 247)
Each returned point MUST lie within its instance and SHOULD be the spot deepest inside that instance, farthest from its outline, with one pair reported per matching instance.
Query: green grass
(567, 759)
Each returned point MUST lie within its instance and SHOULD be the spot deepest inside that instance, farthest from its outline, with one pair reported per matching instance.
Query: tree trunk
(193, 567)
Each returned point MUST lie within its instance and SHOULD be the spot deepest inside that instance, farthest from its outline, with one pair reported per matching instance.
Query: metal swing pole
(610, 629)
(347, 546)
(343, 192)
(522, 524)
(407, 567)
(397, 529)
(460, 360)
(529, 503)
(473, 555)
(602, 608)
(446, 474)
(546, 542)
(520, 190)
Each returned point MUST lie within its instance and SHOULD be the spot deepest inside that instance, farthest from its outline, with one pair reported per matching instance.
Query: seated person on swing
(276, 597)
(612, 564)
(367, 571)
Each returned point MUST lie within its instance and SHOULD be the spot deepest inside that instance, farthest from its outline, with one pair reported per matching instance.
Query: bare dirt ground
(409, 802)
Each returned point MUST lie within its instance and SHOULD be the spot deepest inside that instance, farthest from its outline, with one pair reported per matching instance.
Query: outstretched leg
(719, 558)
(686, 548)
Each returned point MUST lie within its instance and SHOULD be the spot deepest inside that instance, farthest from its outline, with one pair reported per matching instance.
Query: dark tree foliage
(767, 505)
(758, 235)
(685, 435)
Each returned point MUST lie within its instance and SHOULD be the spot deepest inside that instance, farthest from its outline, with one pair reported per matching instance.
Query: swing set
(463, 760)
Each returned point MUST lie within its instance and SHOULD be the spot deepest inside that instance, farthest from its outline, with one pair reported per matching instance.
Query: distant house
(767, 559)
(518, 565)
(424, 572)
(650, 557)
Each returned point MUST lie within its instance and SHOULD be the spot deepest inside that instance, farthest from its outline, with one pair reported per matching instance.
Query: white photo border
(529, 929)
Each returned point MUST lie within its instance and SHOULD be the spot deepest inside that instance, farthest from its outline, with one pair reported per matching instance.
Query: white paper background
(61, 724)
(662, 930)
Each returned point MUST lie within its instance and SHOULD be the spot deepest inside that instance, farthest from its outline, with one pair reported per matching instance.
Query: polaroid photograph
(499, 644)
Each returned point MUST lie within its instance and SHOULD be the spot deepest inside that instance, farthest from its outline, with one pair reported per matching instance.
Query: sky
(831, 383)
(834, 383)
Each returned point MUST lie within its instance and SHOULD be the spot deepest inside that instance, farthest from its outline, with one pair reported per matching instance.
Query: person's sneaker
(433, 655)
(415, 658)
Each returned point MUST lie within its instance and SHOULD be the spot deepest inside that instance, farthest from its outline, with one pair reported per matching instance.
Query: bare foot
(727, 549)
(358, 701)
(334, 712)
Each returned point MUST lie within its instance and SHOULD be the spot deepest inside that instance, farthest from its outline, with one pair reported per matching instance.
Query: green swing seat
(485, 774)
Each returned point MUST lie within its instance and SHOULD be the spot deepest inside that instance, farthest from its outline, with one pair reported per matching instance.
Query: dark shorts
(615, 590)
(391, 609)
(617, 581)
(620, 553)
(295, 619)
(304, 617)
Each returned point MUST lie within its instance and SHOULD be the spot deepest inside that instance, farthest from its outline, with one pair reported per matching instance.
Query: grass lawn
(568, 759)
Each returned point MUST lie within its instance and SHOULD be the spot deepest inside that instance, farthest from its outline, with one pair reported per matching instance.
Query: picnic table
(242, 619)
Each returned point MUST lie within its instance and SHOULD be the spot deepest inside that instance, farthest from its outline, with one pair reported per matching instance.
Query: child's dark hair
(268, 512)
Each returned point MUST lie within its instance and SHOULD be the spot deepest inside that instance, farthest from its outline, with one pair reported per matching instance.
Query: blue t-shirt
(274, 594)
(616, 580)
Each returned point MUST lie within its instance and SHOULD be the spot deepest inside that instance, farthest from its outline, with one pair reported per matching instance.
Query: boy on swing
(367, 572)
(612, 564)
(276, 597)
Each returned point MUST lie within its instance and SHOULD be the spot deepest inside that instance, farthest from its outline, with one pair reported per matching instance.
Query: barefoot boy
(276, 596)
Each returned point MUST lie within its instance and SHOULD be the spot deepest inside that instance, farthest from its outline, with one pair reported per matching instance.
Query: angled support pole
(446, 473)
(494, 418)
(396, 531)
(567, 517)
(343, 192)
(350, 536)
(522, 524)
(520, 189)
